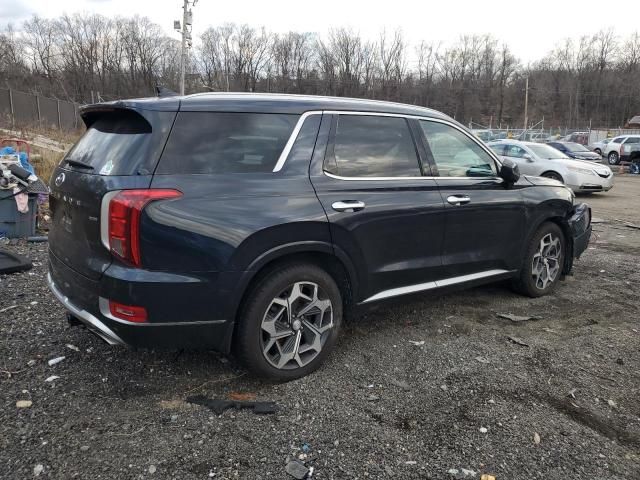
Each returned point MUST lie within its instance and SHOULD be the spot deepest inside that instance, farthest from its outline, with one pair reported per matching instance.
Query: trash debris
(84, 448)
(572, 393)
(443, 388)
(152, 469)
(517, 318)
(37, 470)
(242, 396)
(482, 360)
(416, 342)
(219, 406)
(467, 473)
(410, 462)
(31, 363)
(53, 361)
(24, 403)
(73, 347)
(536, 438)
(52, 378)
(38, 239)
(6, 309)
(12, 263)
(611, 403)
(453, 471)
(400, 384)
(297, 469)
(483, 430)
(306, 448)
(373, 398)
(517, 341)
(486, 476)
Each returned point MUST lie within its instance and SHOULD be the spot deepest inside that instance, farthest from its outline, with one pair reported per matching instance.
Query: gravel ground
(468, 396)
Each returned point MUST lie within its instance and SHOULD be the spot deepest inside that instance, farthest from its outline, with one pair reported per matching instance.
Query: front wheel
(290, 323)
(613, 158)
(553, 176)
(598, 151)
(543, 262)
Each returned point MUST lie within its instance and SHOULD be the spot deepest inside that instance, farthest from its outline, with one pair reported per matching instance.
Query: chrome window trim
(294, 135)
(292, 139)
(420, 287)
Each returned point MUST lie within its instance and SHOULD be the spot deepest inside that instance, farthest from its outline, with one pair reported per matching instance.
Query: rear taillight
(123, 221)
(129, 313)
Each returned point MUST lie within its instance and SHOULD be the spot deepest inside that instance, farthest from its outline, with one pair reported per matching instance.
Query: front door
(485, 218)
(383, 213)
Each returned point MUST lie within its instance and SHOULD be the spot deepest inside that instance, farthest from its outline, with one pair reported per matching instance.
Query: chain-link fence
(25, 109)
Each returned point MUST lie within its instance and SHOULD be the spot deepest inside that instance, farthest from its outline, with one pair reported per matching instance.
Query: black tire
(613, 158)
(526, 283)
(598, 151)
(251, 338)
(553, 176)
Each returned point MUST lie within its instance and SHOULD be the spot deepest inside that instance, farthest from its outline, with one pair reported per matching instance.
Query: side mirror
(509, 171)
(528, 158)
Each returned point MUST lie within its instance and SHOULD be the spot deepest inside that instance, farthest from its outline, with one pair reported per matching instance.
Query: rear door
(118, 151)
(484, 219)
(383, 213)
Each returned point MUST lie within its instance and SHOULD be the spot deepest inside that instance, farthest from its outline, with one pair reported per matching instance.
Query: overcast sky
(531, 28)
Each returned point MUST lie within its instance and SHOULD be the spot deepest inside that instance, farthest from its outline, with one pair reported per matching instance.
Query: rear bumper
(178, 326)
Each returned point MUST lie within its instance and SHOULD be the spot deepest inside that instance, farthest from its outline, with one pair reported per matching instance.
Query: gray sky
(530, 28)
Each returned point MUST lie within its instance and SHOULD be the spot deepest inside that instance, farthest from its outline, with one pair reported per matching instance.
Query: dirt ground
(549, 398)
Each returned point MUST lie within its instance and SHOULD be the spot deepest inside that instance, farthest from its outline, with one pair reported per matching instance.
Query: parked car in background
(253, 222)
(578, 137)
(599, 146)
(545, 161)
(618, 148)
(575, 150)
(484, 135)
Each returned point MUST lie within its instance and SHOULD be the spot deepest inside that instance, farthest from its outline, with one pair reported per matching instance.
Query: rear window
(115, 144)
(215, 142)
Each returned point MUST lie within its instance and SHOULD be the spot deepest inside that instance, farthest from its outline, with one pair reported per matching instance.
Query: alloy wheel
(546, 261)
(613, 158)
(296, 326)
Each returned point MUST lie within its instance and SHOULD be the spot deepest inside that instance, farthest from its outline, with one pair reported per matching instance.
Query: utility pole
(185, 30)
(526, 103)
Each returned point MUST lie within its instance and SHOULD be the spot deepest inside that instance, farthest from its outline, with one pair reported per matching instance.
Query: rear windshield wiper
(75, 163)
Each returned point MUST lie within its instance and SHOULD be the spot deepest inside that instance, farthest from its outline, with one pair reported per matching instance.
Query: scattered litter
(602, 271)
(517, 341)
(24, 403)
(34, 303)
(517, 318)
(492, 401)
(52, 378)
(611, 403)
(152, 469)
(31, 363)
(6, 309)
(306, 448)
(219, 406)
(536, 438)
(486, 476)
(38, 239)
(37, 470)
(84, 448)
(620, 361)
(311, 470)
(297, 469)
(468, 473)
(549, 330)
(400, 384)
(443, 388)
(53, 361)
(482, 360)
(73, 347)
(572, 393)
(483, 430)
(242, 396)
(373, 398)
(416, 342)
(410, 462)
(453, 471)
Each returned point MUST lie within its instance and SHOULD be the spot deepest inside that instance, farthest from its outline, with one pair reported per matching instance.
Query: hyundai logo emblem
(59, 179)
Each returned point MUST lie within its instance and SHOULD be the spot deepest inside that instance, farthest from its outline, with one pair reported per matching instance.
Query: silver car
(544, 161)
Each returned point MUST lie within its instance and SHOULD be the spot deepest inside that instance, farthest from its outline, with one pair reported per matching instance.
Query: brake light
(125, 209)
(128, 312)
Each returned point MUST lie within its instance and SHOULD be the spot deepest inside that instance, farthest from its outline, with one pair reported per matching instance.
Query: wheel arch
(555, 172)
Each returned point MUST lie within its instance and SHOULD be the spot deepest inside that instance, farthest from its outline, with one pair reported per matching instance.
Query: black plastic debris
(12, 262)
(219, 406)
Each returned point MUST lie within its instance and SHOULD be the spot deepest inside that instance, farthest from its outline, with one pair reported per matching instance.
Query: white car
(599, 146)
(545, 161)
(618, 148)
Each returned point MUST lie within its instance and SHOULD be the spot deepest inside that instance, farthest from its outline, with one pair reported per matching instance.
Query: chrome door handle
(348, 206)
(458, 199)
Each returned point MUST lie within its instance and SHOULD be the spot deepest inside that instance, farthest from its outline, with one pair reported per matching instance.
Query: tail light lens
(128, 312)
(125, 208)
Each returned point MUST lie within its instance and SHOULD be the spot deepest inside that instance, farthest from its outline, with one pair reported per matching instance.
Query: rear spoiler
(90, 113)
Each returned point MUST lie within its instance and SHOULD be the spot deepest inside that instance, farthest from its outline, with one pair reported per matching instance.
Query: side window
(455, 154)
(618, 140)
(373, 146)
(515, 151)
(632, 140)
(498, 148)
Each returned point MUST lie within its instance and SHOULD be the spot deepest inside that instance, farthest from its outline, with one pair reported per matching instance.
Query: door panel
(394, 235)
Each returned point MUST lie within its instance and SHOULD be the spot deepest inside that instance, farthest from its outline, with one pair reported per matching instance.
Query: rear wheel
(613, 158)
(543, 262)
(598, 151)
(553, 176)
(290, 323)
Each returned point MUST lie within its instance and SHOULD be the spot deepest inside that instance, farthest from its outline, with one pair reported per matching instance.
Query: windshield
(576, 147)
(546, 152)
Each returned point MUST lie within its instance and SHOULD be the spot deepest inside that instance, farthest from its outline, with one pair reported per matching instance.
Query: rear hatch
(119, 150)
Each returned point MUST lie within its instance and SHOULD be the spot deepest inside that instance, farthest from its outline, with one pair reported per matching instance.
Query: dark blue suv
(253, 223)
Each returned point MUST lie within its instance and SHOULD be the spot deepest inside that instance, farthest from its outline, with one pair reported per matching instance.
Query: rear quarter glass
(219, 142)
(121, 142)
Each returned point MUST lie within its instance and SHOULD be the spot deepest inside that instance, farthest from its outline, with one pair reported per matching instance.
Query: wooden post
(13, 121)
(38, 107)
(58, 105)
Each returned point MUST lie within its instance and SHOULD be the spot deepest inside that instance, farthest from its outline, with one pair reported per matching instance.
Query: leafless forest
(593, 79)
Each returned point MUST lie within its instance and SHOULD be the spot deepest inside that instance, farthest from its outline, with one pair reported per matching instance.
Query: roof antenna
(164, 92)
